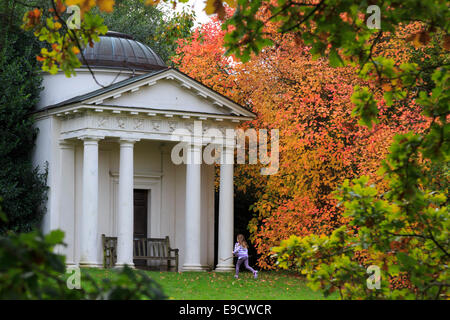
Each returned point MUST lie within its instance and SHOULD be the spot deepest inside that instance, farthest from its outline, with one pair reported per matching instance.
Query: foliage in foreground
(64, 42)
(149, 25)
(30, 270)
(403, 229)
(413, 244)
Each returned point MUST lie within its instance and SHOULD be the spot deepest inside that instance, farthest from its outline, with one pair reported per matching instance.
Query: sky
(198, 6)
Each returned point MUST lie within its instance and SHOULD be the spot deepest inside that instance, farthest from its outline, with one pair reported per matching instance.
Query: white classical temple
(106, 136)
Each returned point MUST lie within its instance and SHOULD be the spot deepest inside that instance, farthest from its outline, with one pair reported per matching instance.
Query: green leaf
(335, 59)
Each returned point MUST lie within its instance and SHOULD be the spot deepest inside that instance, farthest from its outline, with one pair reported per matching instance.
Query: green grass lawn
(223, 286)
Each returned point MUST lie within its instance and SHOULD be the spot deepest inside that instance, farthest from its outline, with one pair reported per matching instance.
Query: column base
(228, 268)
(71, 264)
(122, 265)
(196, 267)
(90, 265)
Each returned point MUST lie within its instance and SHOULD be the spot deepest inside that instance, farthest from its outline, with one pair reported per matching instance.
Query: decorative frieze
(172, 125)
(156, 125)
(121, 122)
(138, 123)
(116, 124)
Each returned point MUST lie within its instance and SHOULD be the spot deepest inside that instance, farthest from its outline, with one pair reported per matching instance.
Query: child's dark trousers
(245, 261)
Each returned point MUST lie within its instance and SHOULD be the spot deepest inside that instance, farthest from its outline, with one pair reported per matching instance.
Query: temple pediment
(167, 91)
(167, 94)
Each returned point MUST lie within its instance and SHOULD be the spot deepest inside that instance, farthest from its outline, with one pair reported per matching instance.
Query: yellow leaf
(215, 6)
(386, 87)
(73, 2)
(105, 5)
(151, 2)
(231, 3)
(85, 5)
(75, 50)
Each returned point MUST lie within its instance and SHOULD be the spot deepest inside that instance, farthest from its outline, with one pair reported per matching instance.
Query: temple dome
(121, 51)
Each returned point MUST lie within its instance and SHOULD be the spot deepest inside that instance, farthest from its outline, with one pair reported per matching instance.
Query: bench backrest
(109, 251)
(151, 247)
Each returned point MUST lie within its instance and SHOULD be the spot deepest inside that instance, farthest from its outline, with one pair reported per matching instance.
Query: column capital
(66, 144)
(228, 145)
(195, 147)
(92, 138)
(229, 149)
(194, 154)
(227, 155)
(127, 141)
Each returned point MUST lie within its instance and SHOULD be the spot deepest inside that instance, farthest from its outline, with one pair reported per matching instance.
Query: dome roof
(120, 51)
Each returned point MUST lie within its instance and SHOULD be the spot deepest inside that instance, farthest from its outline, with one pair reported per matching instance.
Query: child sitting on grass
(241, 251)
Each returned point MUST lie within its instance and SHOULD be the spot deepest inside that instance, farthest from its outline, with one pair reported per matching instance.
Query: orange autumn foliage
(321, 143)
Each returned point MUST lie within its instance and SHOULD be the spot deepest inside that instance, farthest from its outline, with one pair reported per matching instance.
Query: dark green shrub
(30, 270)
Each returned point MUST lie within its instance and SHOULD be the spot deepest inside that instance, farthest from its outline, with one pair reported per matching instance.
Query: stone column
(126, 205)
(226, 212)
(67, 199)
(89, 235)
(193, 210)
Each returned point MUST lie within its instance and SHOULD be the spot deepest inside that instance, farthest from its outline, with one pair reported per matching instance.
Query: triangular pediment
(166, 95)
(167, 90)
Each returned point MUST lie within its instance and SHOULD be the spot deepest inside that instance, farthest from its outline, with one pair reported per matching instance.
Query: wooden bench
(144, 249)
(109, 245)
(155, 249)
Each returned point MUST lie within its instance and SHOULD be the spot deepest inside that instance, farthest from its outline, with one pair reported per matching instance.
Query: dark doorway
(242, 217)
(216, 227)
(140, 218)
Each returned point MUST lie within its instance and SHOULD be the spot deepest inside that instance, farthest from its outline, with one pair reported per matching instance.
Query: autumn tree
(403, 223)
(321, 144)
